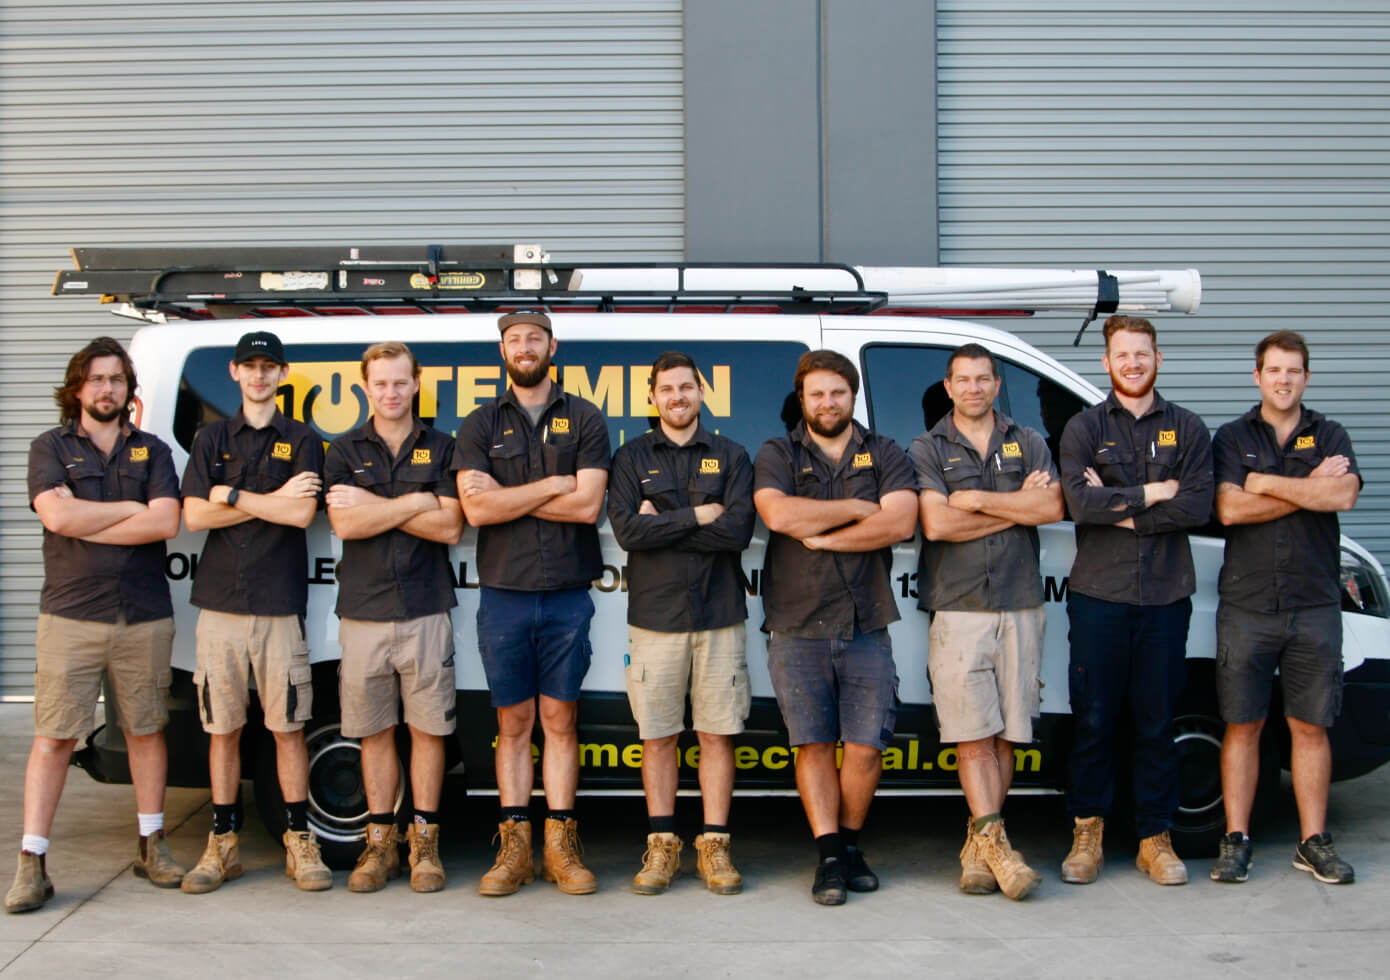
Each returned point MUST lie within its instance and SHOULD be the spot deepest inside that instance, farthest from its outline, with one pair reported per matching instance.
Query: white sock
(34, 844)
(150, 823)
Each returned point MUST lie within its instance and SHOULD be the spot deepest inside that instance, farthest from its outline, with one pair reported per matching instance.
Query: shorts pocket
(299, 703)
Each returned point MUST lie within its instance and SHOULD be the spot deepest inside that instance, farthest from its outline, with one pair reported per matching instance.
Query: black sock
(560, 815)
(519, 814)
(662, 825)
(297, 816)
(715, 828)
(830, 846)
(425, 816)
(381, 818)
(849, 837)
(225, 818)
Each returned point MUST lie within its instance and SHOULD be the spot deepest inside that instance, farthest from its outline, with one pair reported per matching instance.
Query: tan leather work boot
(561, 859)
(714, 865)
(1082, 866)
(515, 865)
(975, 876)
(32, 886)
(304, 861)
(1158, 861)
(426, 870)
(156, 863)
(1015, 878)
(379, 861)
(660, 864)
(221, 861)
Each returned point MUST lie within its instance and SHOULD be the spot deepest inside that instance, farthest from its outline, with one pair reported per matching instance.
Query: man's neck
(978, 430)
(1135, 406)
(832, 448)
(258, 414)
(536, 395)
(103, 435)
(394, 432)
(1283, 423)
(680, 436)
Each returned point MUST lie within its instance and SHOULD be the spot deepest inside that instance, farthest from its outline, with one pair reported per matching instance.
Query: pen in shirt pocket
(1153, 450)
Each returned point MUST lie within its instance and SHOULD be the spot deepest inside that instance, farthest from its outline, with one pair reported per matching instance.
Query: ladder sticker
(289, 282)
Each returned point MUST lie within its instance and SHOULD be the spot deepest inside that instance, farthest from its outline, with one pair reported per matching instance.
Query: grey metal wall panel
(1247, 139)
(396, 121)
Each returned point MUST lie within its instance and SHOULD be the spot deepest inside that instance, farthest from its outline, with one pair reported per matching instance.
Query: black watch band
(231, 496)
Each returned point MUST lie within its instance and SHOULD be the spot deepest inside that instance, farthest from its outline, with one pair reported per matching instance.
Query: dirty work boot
(221, 861)
(304, 862)
(31, 887)
(562, 864)
(426, 871)
(660, 864)
(156, 863)
(379, 860)
(1157, 860)
(975, 876)
(1082, 866)
(714, 866)
(515, 865)
(1015, 878)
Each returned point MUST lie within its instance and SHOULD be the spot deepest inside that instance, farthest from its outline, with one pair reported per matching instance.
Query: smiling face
(973, 387)
(827, 403)
(1132, 363)
(526, 350)
(1282, 379)
(391, 387)
(677, 395)
(105, 393)
(259, 379)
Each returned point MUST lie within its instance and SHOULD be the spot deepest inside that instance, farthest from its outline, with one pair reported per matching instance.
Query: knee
(1306, 734)
(52, 748)
(558, 718)
(1243, 733)
(516, 721)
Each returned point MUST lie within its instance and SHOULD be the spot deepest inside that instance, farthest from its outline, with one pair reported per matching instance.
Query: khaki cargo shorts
(984, 672)
(710, 664)
(233, 648)
(71, 656)
(409, 662)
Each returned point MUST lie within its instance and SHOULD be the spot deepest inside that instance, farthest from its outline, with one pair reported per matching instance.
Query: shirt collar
(556, 395)
(1159, 406)
(700, 438)
(277, 422)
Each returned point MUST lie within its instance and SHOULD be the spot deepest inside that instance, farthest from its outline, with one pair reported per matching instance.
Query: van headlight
(1363, 587)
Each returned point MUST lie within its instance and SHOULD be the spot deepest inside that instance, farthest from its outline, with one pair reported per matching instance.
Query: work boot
(426, 871)
(714, 866)
(156, 863)
(1157, 860)
(562, 864)
(1082, 866)
(221, 861)
(379, 860)
(516, 863)
(975, 876)
(304, 861)
(660, 864)
(32, 886)
(1015, 878)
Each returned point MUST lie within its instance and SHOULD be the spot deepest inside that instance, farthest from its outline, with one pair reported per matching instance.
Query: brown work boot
(156, 863)
(1082, 866)
(515, 865)
(379, 860)
(714, 866)
(660, 864)
(1157, 860)
(221, 861)
(561, 859)
(32, 886)
(426, 871)
(1015, 878)
(304, 861)
(975, 876)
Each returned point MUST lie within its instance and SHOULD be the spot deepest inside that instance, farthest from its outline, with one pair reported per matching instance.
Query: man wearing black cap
(532, 470)
(252, 482)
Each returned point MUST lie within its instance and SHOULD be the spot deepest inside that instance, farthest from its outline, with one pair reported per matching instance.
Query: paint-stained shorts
(233, 648)
(410, 662)
(984, 670)
(72, 654)
(710, 664)
(834, 689)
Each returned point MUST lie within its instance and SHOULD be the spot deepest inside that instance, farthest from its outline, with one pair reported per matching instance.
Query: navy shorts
(1306, 647)
(534, 643)
(833, 690)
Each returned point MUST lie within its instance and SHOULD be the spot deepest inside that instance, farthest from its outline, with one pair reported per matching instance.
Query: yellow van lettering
(598, 755)
(327, 394)
(606, 392)
(429, 388)
(475, 386)
(718, 392)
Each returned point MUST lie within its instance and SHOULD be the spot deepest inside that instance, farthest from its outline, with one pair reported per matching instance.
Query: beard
(110, 415)
(524, 378)
(1131, 389)
(829, 431)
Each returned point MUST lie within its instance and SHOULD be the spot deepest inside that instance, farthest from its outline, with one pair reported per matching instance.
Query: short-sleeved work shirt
(828, 594)
(256, 567)
(999, 571)
(1291, 562)
(393, 576)
(531, 554)
(100, 582)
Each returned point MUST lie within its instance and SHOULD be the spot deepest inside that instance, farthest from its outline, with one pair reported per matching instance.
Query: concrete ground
(106, 922)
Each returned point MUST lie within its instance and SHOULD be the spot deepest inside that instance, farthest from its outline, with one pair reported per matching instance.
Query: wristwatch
(232, 495)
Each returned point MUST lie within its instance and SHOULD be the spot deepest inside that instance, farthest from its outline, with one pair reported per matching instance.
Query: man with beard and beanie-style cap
(836, 498)
(1136, 472)
(532, 470)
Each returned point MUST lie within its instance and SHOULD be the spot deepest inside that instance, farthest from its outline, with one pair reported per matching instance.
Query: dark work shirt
(1291, 562)
(99, 582)
(1152, 564)
(256, 567)
(683, 576)
(395, 575)
(999, 571)
(826, 594)
(531, 554)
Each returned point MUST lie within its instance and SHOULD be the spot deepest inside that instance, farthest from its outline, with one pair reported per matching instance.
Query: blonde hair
(389, 349)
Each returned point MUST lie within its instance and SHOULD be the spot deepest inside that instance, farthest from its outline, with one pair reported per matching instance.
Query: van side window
(904, 387)
(1038, 402)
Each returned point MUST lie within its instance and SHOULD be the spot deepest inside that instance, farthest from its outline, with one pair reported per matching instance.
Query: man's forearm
(802, 517)
(503, 504)
(75, 518)
(157, 522)
(379, 516)
(1324, 494)
(444, 524)
(1235, 506)
(1039, 505)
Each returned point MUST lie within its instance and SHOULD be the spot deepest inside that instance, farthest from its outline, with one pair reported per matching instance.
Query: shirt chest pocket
(423, 475)
(372, 477)
(861, 484)
(1009, 475)
(85, 475)
(133, 477)
(964, 475)
(1301, 462)
(560, 455)
(810, 483)
(660, 489)
(1163, 463)
(706, 487)
(507, 461)
(1115, 466)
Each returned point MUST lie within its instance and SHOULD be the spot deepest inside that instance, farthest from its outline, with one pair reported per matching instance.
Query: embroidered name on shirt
(709, 466)
(1304, 442)
(560, 426)
(1012, 450)
(419, 456)
(1167, 437)
(282, 450)
(862, 460)
(138, 454)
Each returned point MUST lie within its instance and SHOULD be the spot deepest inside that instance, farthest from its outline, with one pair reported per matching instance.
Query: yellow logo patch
(138, 454)
(1012, 450)
(419, 456)
(1167, 437)
(709, 466)
(560, 426)
(862, 460)
(1304, 442)
(281, 450)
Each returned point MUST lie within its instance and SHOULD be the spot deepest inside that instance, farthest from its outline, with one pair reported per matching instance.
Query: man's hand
(1332, 466)
(305, 484)
(707, 513)
(476, 481)
(1155, 493)
(218, 494)
(1092, 477)
(648, 508)
(967, 500)
(62, 492)
(348, 495)
(1037, 480)
(815, 542)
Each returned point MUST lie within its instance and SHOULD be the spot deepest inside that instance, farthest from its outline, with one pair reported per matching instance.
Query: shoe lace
(717, 855)
(1086, 837)
(512, 846)
(571, 848)
(427, 848)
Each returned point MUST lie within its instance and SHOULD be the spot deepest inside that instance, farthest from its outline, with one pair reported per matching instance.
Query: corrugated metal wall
(403, 121)
(1248, 138)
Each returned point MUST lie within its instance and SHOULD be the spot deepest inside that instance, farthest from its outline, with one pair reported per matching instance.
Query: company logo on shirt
(281, 450)
(1012, 450)
(709, 466)
(419, 456)
(1304, 442)
(560, 426)
(138, 454)
(1167, 437)
(862, 460)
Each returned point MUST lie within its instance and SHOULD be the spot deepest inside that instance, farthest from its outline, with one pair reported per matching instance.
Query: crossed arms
(845, 524)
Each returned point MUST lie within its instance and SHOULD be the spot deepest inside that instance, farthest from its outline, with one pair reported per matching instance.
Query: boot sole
(31, 905)
(571, 890)
(648, 889)
(1078, 879)
(502, 892)
(725, 889)
(1146, 870)
(1302, 865)
(311, 886)
(231, 874)
(158, 883)
(1025, 891)
(979, 887)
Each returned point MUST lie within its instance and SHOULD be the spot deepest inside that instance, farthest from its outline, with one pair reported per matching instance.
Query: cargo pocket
(200, 684)
(299, 700)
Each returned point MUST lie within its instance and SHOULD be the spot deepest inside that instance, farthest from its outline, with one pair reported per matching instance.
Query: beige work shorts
(71, 656)
(984, 672)
(384, 665)
(232, 648)
(709, 664)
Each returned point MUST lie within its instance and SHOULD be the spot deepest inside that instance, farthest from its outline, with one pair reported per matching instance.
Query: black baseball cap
(261, 343)
(525, 316)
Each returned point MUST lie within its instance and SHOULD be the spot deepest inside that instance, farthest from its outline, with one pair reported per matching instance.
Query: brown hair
(65, 395)
(667, 360)
(1285, 340)
(1134, 324)
(827, 360)
(972, 352)
(389, 349)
